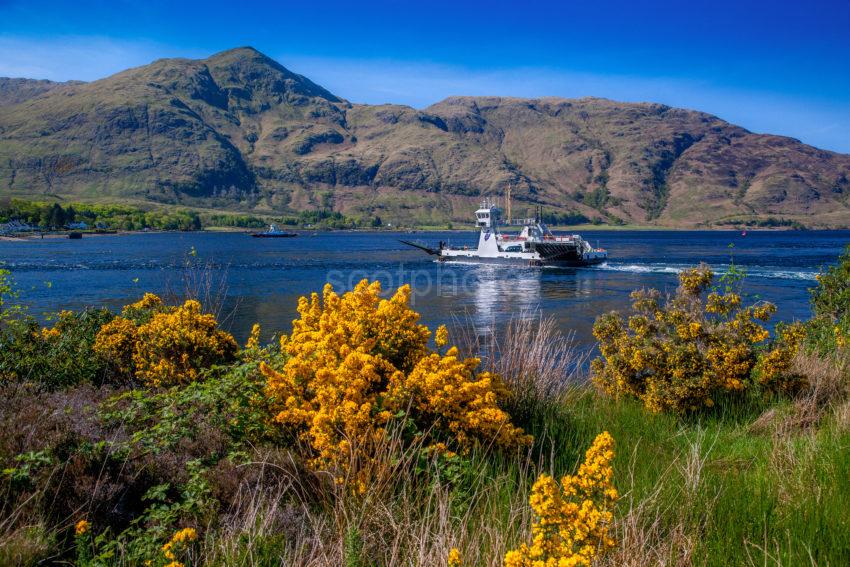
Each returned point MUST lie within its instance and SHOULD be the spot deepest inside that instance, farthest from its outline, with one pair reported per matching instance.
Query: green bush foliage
(57, 356)
(831, 297)
(829, 330)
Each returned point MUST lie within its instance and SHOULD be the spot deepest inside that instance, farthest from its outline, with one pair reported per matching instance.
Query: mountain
(14, 91)
(238, 131)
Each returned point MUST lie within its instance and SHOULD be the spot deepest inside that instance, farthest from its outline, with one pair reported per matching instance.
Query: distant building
(78, 226)
(15, 227)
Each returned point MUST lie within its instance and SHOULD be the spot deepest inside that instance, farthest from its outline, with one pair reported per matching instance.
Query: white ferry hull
(513, 260)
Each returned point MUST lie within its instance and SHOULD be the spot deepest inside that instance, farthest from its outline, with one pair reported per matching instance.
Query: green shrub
(831, 297)
(57, 356)
(829, 329)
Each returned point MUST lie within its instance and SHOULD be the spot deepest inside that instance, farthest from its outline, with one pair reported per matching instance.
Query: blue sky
(777, 67)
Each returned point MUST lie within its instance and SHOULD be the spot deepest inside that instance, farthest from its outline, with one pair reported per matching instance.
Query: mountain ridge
(240, 131)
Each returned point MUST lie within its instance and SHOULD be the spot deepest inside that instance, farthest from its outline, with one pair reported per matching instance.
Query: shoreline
(424, 230)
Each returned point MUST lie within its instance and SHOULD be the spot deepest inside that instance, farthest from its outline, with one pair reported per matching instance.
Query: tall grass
(206, 282)
(754, 482)
(736, 487)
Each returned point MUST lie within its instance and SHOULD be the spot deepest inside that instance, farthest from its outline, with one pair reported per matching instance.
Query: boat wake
(770, 272)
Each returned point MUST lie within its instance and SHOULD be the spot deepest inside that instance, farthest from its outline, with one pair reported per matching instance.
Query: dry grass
(540, 364)
(536, 359)
(406, 513)
(826, 390)
(27, 545)
(654, 529)
(205, 281)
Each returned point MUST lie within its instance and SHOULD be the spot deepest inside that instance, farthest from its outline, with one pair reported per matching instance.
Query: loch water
(263, 278)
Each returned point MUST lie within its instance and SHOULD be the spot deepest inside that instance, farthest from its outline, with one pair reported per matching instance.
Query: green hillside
(239, 132)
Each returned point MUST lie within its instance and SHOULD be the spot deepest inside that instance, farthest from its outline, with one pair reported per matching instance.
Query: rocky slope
(239, 131)
(14, 91)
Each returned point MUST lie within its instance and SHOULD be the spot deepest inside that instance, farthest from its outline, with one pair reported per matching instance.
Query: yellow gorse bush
(48, 333)
(441, 336)
(117, 342)
(446, 391)
(162, 345)
(573, 518)
(356, 361)
(678, 357)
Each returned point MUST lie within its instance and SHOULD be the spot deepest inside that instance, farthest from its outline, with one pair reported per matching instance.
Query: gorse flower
(254, 338)
(116, 341)
(679, 357)
(441, 336)
(774, 368)
(185, 535)
(573, 518)
(445, 391)
(81, 528)
(840, 337)
(50, 333)
(177, 544)
(695, 280)
(163, 345)
(454, 559)
(141, 311)
(65, 321)
(174, 346)
(357, 361)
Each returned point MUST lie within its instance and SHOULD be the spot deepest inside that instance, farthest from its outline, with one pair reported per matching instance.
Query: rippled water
(264, 277)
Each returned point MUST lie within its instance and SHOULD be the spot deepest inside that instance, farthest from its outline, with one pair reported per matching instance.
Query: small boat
(535, 245)
(274, 232)
(75, 235)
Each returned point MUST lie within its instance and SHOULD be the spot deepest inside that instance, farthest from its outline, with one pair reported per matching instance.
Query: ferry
(274, 232)
(534, 245)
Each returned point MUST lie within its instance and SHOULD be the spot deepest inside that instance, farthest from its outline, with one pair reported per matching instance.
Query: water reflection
(500, 293)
